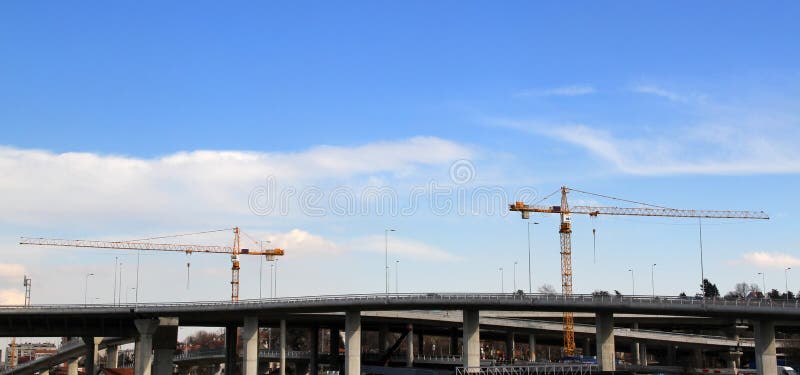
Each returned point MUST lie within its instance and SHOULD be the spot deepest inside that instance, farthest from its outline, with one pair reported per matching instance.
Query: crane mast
(565, 234)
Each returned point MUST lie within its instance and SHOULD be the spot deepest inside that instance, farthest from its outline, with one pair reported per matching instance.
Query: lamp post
(128, 293)
(652, 279)
(116, 267)
(633, 283)
(786, 280)
(397, 276)
(502, 287)
(119, 295)
(763, 283)
(530, 278)
(386, 256)
(515, 277)
(86, 287)
(261, 268)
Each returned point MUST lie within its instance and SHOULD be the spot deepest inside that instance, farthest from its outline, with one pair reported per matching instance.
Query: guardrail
(539, 369)
(410, 297)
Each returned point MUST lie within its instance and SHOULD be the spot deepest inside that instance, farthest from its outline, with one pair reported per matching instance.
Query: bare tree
(547, 289)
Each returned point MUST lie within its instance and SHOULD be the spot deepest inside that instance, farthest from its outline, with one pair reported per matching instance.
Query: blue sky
(124, 121)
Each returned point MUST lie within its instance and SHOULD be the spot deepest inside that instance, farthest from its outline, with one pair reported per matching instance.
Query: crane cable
(620, 199)
(177, 235)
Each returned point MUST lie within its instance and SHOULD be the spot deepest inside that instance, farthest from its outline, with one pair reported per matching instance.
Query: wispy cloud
(404, 247)
(702, 149)
(667, 94)
(767, 260)
(571, 90)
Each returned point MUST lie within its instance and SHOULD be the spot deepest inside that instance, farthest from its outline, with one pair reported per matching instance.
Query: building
(29, 351)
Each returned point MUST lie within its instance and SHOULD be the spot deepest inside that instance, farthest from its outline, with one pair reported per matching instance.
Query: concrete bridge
(155, 325)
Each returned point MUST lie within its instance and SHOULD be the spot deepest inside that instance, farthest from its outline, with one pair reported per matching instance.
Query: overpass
(148, 322)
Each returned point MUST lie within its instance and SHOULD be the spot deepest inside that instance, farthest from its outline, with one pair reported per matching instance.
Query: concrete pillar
(313, 362)
(604, 322)
(510, 347)
(112, 356)
(766, 361)
(635, 352)
(697, 358)
(72, 366)
(165, 341)
(383, 338)
(454, 342)
(250, 346)
(672, 355)
(90, 361)
(532, 347)
(231, 335)
(283, 347)
(643, 354)
(143, 350)
(352, 343)
(587, 347)
(410, 347)
(471, 341)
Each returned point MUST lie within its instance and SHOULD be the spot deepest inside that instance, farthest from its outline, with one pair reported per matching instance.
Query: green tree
(709, 290)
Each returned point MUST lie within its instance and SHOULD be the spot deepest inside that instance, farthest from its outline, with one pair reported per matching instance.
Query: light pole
(397, 276)
(116, 267)
(386, 256)
(128, 293)
(261, 269)
(702, 271)
(763, 283)
(530, 278)
(515, 277)
(652, 279)
(271, 272)
(633, 283)
(119, 295)
(786, 280)
(86, 287)
(275, 283)
(502, 287)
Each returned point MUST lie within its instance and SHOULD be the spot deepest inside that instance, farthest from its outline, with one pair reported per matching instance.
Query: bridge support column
(112, 356)
(766, 361)
(471, 342)
(72, 366)
(454, 342)
(635, 352)
(283, 347)
(90, 361)
(143, 350)
(532, 347)
(642, 354)
(250, 346)
(231, 335)
(604, 322)
(510, 347)
(313, 362)
(165, 342)
(352, 343)
(410, 347)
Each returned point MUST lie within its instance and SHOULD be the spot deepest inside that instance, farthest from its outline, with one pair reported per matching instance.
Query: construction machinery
(234, 251)
(565, 231)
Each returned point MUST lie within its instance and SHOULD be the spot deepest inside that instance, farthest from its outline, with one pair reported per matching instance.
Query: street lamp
(86, 287)
(386, 256)
(786, 280)
(515, 277)
(530, 280)
(763, 283)
(652, 279)
(397, 276)
(128, 293)
(502, 288)
(633, 283)
(261, 268)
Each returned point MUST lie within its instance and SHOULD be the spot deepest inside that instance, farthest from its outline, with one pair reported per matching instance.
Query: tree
(774, 294)
(547, 289)
(600, 293)
(206, 340)
(709, 290)
(683, 294)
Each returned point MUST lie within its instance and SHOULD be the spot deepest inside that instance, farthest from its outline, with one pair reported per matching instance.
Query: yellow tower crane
(140, 245)
(565, 231)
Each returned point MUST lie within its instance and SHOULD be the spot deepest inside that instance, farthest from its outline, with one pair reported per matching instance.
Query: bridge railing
(538, 369)
(454, 297)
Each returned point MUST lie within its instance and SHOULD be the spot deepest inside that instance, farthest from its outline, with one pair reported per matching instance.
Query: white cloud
(708, 148)
(404, 247)
(12, 272)
(667, 94)
(770, 260)
(11, 297)
(301, 242)
(41, 187)
(571, 90)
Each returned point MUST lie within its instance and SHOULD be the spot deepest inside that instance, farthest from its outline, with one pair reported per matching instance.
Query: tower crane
(565, 231)
(140, 245)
